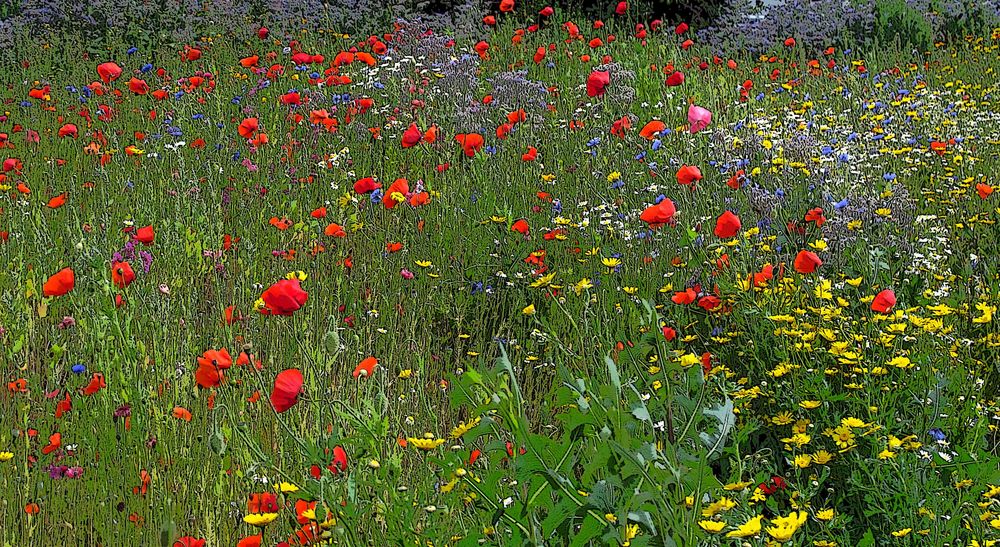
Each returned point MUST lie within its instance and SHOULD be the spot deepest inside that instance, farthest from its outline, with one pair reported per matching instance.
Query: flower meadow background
(290, 273)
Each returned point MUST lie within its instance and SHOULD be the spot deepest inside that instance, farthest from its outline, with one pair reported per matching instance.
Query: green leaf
(640, 412)
(590, 529)
(558, 515)
(727, 419)
(616, 379)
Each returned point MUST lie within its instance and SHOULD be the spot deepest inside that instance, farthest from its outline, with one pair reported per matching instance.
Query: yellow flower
(712, 526)
(736, 486)
(427, 442)
(987, 312)
(260, 519)
(782, 418)
(785, 527)
(825, 515)
(543, 281)
(853, 422)
(463, 428)
(819, 245)
(423, 263)
(582, 285)
(631, 530)
(747, 529)
(611, 262)
(803, 461)
(287, 487)
(6, 456)
(843, 436)
(809, 405)
(724, 504)
(300, 275)
(902, 533)
(529, 310)
(822, 290)
(405, 374)
(822, 457)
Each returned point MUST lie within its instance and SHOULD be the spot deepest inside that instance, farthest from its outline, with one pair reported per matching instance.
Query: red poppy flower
(97, 383)
(806, 262)
(688, 174)
(539, 55)
(188, 541)
(55, 441)
(335, 230)
(884, 301)
(650, 130)
(412, 136)
(366, 367)
(248, 128)
(181, 413)
(596, 82)
(57, 201)
(816, 215)
(675, 79)
(287, 388)
(283, 298)
(984, 190)
(69, 130)
(470, 143)
(506, 6)
(109, 72)
(365, 185)
(481, 48)
(319, 212)
(145, 235)
(61, 283)
(417, 200)
(621, 8)
(520, 226)
(64, 406)
(659, 214)
(122, 275)
(684, 297)
(339, 463)
(210, 367)
(727, 225)
(263, 502)
(399, 186)
(251, 541)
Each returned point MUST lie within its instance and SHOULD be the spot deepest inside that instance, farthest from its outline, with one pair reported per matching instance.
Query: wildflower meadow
(504, 273)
